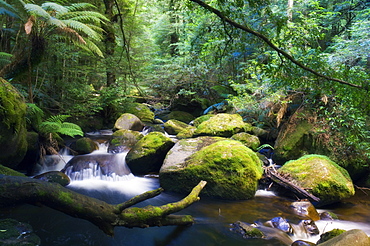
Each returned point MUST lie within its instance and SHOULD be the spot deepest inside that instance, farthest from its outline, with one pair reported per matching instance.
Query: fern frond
(90, 47)
(70, 34)
(57, 8)
(5, 58)
(84, 16)
(47, 127)
(80, 6)
(83, 28)
(37, 11)
(58, 118)
(7, 9)
(70, 129)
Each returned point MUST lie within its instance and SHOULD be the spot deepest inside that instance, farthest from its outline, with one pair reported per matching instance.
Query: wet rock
(148, 153)
(122, 140)
(354, 237)
(129, 122)
(329, 235)
(173, 127)
(302, 243)
(304, 208)
(8, 171)
(325, 179)
(54, 177)
(231, 170)
(223, 125)
(85, 146)
(14, 233)
(246, 230)
(328, 216)
(309, 227)
(281, 224)
(106, 164)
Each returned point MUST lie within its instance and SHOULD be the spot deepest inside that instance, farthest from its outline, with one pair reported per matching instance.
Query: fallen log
(280, 180)
(20, 190)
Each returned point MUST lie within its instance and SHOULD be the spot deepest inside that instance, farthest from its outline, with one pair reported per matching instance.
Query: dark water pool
(213, 218)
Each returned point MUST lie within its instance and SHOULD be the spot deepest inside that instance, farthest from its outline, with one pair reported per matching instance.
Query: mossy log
(20, 190)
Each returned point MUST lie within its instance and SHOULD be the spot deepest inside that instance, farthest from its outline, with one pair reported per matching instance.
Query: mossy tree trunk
(20, 190)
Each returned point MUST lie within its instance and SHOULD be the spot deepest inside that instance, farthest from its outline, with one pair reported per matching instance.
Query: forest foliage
(86, 59)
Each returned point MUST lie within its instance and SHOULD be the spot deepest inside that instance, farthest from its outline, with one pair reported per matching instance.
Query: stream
(213, 216)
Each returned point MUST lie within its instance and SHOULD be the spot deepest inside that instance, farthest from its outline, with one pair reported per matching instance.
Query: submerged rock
(324, 178)
(306, 209)
(54, 177)
(14, 233)
(148, 153)
(246, 230)
(231, 170)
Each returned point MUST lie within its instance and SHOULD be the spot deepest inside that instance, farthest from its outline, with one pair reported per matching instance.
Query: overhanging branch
(272, 45)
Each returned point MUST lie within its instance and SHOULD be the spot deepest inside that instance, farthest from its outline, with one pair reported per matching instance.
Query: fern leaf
(57, 8)
(5, 58)
(80, 6)
(70, 129)
(90, 47)
(7, 9)
(49, 127)
(58, 118)
(37, 11)
(82, 28)
(84, 16)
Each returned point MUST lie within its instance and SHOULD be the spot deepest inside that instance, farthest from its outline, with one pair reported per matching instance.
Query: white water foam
(264, 193)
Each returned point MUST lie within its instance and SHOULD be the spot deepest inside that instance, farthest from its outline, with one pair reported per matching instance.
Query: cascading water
(213, 217)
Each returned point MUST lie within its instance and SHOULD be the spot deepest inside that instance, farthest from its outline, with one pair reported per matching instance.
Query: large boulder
(129, 122)
(13, 132)
(223, 125)
(142, 111)
(231, 170)
(147, 155)
(353, 237)
(323, 177)
(85, 146)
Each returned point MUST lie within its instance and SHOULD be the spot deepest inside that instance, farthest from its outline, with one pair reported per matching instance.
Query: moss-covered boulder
(85, 146)
(15, 233)
(231, 170)
(187, 132)
(223, 125)
(13, 132)
(353, 237)
(147, 155)
(184, 148)
(173, 127)
(329, 235)
(10, 172)
(179, 115)
(247, 139)
(323, 177)
(123, 139)
(129, 122)
(142, 111)
(201, 119)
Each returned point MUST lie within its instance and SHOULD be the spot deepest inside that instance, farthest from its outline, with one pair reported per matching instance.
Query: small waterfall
(53, 162)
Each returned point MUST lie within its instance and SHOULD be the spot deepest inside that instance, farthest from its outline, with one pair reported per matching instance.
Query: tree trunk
(20, 190)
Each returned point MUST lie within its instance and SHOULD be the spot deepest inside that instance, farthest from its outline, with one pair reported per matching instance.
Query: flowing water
(213, 217)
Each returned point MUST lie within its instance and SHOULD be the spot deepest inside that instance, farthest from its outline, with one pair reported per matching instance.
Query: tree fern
(5, 58)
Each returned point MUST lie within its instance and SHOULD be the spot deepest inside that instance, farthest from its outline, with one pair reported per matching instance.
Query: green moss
(13, 133)
(140, 110)
(173, 127)
(14, 233)
(201, 119)
(230, 169)
(329, 235)
(187, 132)
(10, 172)
(85, 145)
(65, 197)
(326, 179)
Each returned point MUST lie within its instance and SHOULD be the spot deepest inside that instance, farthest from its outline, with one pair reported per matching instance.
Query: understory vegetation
(90, 59)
